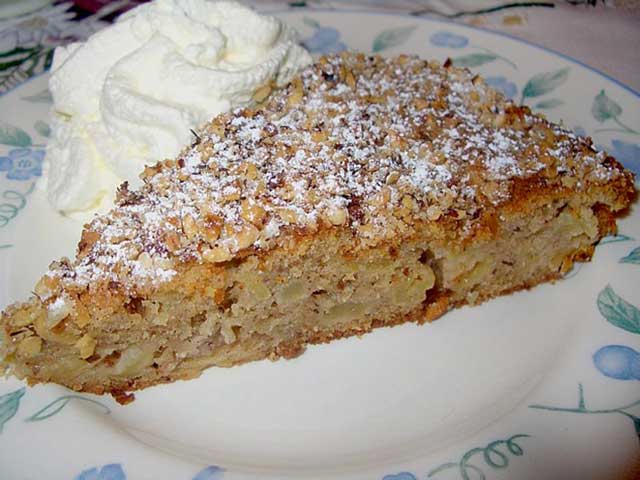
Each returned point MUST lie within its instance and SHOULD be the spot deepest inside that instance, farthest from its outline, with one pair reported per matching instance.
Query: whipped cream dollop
(132, 92)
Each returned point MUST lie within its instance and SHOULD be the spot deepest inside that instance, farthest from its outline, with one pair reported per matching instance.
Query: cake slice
(368, 192)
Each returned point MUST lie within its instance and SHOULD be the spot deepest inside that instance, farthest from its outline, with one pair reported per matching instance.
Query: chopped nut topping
(216, 255)
(373, 145)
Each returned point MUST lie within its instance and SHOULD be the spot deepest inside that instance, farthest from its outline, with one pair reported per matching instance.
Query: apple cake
(369, 192)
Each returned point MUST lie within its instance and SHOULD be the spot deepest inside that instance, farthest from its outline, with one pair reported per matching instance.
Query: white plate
(540, 384)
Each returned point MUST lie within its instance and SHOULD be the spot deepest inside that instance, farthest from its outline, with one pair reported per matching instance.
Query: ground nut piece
(246, 236)
(150, 171)
(382, 198)
(216, 254)
(320, 136)
(392, 178)
(189, 227)
(172, 240)
(217, 129)
(408, 202)
(337, 215)
(296, 95)
(262, 93)
(87, 240)
(211, 235)
(211, 220)
(30, 346)
(420, 103)
(231, 197)
(367, 230)
(569, 182)
(44, 287)
(251, 171)
(434, 212)
(252, 212)
(350, 79)
(86, 345)
(287, 215)
(145, 260)
(211, 231)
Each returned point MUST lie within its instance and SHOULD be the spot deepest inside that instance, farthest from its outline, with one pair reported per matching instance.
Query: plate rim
(474, 28)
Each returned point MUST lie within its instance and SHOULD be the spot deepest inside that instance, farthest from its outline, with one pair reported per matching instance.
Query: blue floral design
(628, 153)
(113, 471)
(212, 472)
(618, 361)
(503, 85)
(22, 163)
(324, 40)
(448, 39)
(400, 476)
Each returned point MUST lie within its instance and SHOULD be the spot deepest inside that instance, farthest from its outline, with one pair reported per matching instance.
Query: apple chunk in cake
(368, 192)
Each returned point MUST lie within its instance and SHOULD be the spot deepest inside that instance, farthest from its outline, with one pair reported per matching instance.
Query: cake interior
(272, 305)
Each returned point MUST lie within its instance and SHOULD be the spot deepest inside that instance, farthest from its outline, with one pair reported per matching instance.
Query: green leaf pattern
(57, 405)
(311, 22)
(604, 108)
(633, 257)
(392, 37)
(9, 404)
(13, 136)
(618, 311)
(582, 409)
(41, 97)
(474, 59)
(492, 456)
(42, 128)
(545, 82)
(636, 424)
(614, 239)
(547, 104)
(11, 203)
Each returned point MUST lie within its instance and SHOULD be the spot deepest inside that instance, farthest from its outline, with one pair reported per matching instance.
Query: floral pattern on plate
(114, 471)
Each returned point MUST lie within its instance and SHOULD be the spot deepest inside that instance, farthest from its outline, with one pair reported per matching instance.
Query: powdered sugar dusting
(373, 145)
